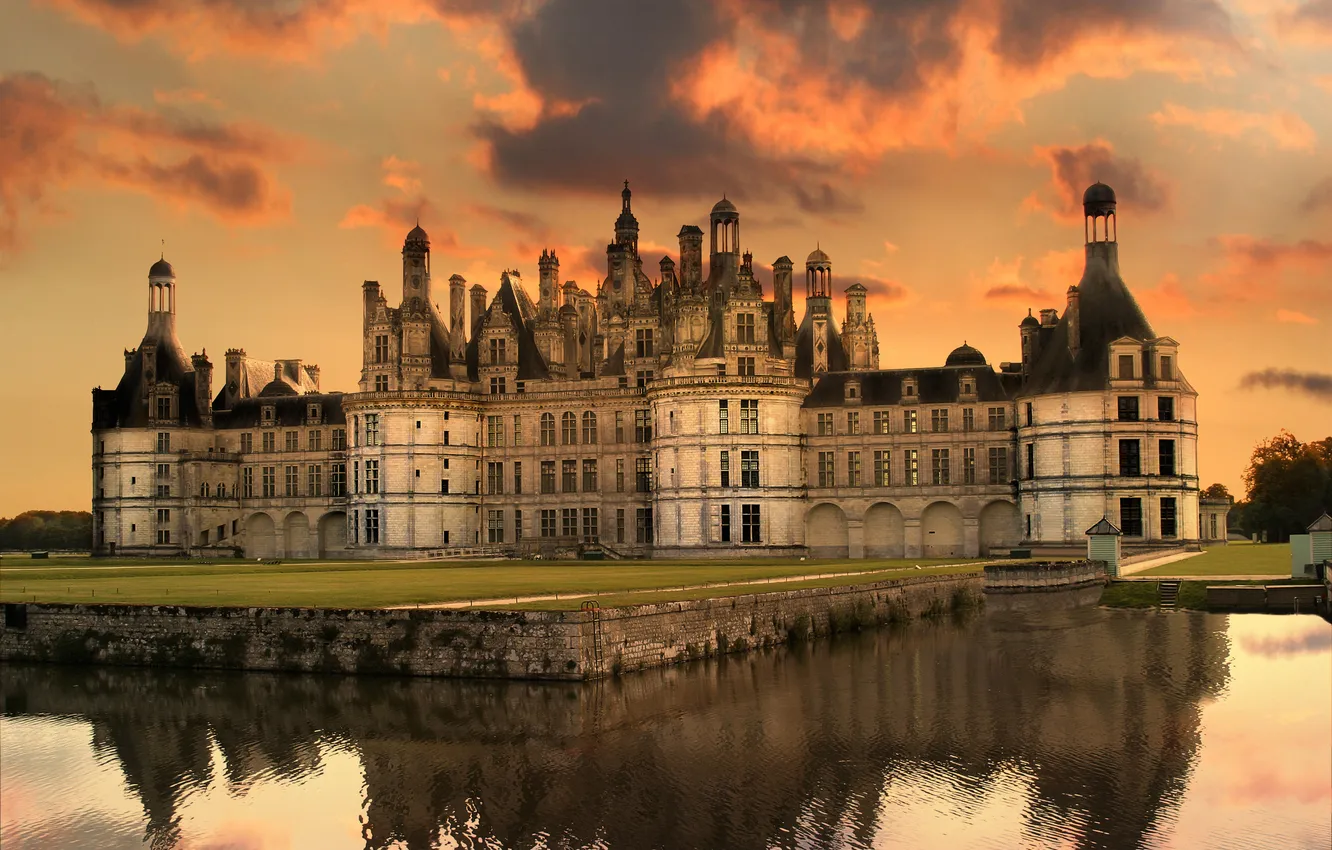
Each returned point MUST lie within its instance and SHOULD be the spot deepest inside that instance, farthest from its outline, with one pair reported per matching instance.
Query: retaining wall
(1019, 578)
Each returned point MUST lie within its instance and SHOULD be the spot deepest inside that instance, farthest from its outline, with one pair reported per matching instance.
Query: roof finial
(163, 254)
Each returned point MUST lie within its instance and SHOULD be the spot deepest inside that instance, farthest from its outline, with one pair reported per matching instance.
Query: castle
(686, 416)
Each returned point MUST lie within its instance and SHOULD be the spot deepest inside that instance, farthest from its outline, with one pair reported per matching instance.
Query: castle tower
(626, 226)
(818, 305)
(1030, 329)
(548, 296)
(724, 245)
(856, 331)
(416, 266)
(162, 299)
(691, 258)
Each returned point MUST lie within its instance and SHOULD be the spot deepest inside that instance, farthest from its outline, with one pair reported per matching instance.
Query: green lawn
(1192, 594)
(361, 584)
(1235, 559)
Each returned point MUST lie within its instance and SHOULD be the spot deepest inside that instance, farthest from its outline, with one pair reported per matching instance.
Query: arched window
(221, 491)
(568, 429)
(547, 429)
(589, 427)
(203, 489)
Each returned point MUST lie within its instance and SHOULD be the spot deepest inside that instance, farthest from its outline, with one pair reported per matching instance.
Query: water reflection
(1030, 724)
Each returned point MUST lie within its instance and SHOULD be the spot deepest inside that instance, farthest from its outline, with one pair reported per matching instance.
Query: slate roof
(516, 304)
(127, 405)
(804, 365)
(1105, 526)
(934, 385)
(289, 411)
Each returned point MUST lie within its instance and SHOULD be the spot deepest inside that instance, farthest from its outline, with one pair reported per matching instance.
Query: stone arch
(1000, 527)
(826, 532)
(296, 536)
(260, 536)
(885, 532)
(332, 534)
(941, 530)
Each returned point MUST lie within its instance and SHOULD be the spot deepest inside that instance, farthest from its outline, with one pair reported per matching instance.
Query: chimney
(1072, 314)
(691, 258)
(203, 386)
(457, 316)
(370, 291)
(478, 308)
(1049, 318)
(313, 372)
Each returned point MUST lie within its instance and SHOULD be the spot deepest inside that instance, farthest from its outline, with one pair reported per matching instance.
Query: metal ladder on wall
(1168, 593)
(592, 614)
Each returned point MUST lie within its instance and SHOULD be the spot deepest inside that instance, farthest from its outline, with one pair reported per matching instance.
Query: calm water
(1026, 727)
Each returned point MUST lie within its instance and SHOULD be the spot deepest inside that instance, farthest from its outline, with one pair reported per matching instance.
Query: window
(569, 522)
(517, 429)
(444, 486)
(247, 482)
(723, 417)
(163, 491)
(1167, 368)
(825, 424)
(517, 525)
(643, 525)
(266, 414)
(590, 531)
(909, 389)
(939, 419)
(1165, 409)
(1166, 451)
(1130, 460)
(163, 407)
(619, 475)
(495, 431)
(372, 429)
(494, 521)
(997, 419)
(337, 479)
(911, 467)
(517, 478)
(163, 441)
(1130, 517)
(314, 440)
(590, 476)
(642, 426)
(292, 441)
(909, 423)
(547, 476)
(270, 441)
(827, 466)
(619, 426)
(270, 482)
(749, 416)
(589, 427)
(726, 523)
(643, 342)
(372, 476)
(881, 422)
(548, 523)
(372, 526)
(356, 476)
(968, 466)
(968, 388)
(745, 366)
(619, 525)
(643, 474)
(1031, 460)
(725, 468)
(292, 480)
(1030, 411)
(998, 465)
(1126, 367)
(495, 478)
(968, 419)
(939, 467)
(853, 469)
(1169, 519)
(643, 378)
(339, 440)
(163, 525)
(498, 386)
(1212, 520)
(1128, 408)
(853, 422)
(749, 524)
(547, 429)
(381, 349)
(381, 383)
(744, 328)
(749, 468)
(246, 443)
(163, 471)
(568, 429)
(569, 475)
(313, 413)
(883, 476)
(499, 353)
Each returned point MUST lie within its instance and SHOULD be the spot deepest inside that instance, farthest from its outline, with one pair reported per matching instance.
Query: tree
(1217, 491)
(1289, 484)
(62, 530)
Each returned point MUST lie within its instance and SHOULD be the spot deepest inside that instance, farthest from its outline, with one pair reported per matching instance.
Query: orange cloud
(1288, 130)
(1295, 317)
(1053, 273)
(58, 135)
(1167, 300)
(1310, 22)
(403, 175)
(185, 96)
(1072, 170)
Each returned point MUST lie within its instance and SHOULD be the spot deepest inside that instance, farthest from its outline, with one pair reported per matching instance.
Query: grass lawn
(1192, 594)
(361, 584)
(1235, 559)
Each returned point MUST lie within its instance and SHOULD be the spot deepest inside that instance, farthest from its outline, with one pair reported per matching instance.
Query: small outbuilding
(1103, 545)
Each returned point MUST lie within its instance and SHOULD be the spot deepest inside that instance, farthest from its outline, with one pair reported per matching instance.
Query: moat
(1029, 724)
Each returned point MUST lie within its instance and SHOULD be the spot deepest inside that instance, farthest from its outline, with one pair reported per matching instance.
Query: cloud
(527, 224)
(1315, 385)
(1294, 317)
(1073, 169)
(1314, 641)
(189, 97)
(1319, 197)
(1261, 253)
(1015, 291)
(58, 135)
(396, 214)
(1051, 275)
(1309, 22)
(1167, 300)
(1288, 130)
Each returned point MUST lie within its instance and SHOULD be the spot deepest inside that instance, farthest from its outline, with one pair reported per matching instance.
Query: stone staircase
(1168, 594)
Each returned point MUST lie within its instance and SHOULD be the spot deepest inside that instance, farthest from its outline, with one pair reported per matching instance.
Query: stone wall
(1060, 575)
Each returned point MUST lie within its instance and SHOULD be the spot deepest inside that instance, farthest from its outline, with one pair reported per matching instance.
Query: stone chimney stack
(691, 258)
(371, 296)
(478, 308)
(457, 317)
(203, 386)
(1073, 315)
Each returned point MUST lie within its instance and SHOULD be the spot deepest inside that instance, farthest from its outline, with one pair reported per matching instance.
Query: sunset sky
(936, 150)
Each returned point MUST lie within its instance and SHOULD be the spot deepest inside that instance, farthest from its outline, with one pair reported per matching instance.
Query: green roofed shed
(1103, 545)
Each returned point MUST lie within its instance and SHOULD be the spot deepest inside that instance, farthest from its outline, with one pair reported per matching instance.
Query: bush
(800, 629)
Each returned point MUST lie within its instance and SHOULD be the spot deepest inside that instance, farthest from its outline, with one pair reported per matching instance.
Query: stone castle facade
(686, 415)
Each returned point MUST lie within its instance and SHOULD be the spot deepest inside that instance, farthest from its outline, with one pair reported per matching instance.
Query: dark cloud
(1316, 385)
(1315, 641)
(1030, 31)
(233, 188)
(1320, 195)
(1074, 169)
(881, 288)
(1314, 12)
(528, 224)
(1014, 290)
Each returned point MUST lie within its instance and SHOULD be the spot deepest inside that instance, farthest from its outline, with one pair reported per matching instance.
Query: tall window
(517, 429)
(997, 419)
(881, 420)
(1166, 450)
(643, 525)
(589, 427)
(1130, 517)
(495, 478)
(315, 480)
(726, 523)
(619, 475)
(372, 526)
(339, 440)
(314, 440)
(517, 526)
(247, 482)
(517, 478)
(499, 353)
(381, 349)
(293, 441)
(825, 425)
(591, 533)
(495, 431)
(372, 476)
(568, 429)
(381, 383)
(643, 342)
(723, 417)
(163, 525)
(590, 476)
(939, 419)
(1128, 408)
(969, 466)
(968, 419)
(569, 522)
(1126, 368)
(548, 523)
(569, 475)
(744, 328)
(853, 422)
(749, 468)
(642, 426)
(725, 468)
(547, 429)
(883, 476)
(1169, 518)
(1167, 368)
(246, 443)
(749, 524)
(911, 467)
(643, 378)
(372, 429)
(749, 416)
(1165, 409)
(619, 426)
(163, 441)
(909, 423)
(998, 457)
(1130, 459)
(547, 476)
(619, 525)
(939, 467)
(337, 479)
(494, 522)
(853, 469)
(293, 480)
(827, 467)
(270, 482)
(1031, 460)
(163, 407)
(643, 474)
(270, 441)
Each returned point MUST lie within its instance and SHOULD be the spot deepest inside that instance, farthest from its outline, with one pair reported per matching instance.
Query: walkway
(1130, 569)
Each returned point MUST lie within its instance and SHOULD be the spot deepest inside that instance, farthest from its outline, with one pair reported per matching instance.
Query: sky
(279, 150)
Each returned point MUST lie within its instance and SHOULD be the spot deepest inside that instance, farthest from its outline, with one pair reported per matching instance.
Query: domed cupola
(965, 355)
(1098, 202)
(162, 268)
(417, 238)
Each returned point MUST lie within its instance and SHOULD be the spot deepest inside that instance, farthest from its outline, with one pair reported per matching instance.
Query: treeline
(61, 530)
(1288, 484)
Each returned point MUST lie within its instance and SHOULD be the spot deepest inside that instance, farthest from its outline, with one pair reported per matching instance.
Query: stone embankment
(566, 645)
(1060, 575)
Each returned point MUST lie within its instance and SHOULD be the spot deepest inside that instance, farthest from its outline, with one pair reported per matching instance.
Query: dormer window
(1126, 370)
(968, 385)
(1167, 367)
(909, 389)
(313, 413)
(268, 414)
(852, 390)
